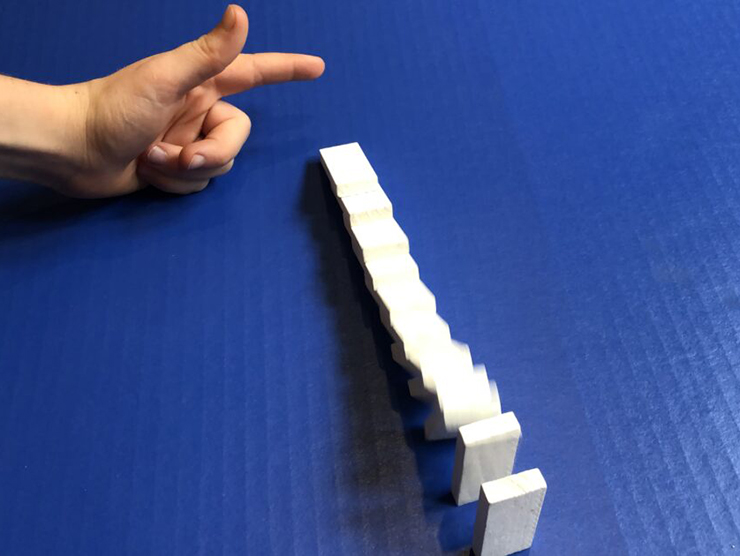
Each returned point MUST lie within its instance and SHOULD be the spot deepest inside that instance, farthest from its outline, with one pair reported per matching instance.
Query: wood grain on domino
(508, 512)
(485, 451)
(366, 207)
(349, 170)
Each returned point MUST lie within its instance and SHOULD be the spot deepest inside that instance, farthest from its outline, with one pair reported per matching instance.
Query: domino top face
(513, 486)
(349, 169)
(502, 426)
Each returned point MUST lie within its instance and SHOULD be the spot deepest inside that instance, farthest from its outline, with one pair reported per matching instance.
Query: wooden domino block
(508, 512)
(449, 361)
(413, 357)
(460, 401)
(366, 207)
(375, 240)
(416, 329)
(387, 270)
(485, 451)
(396, 298)
(348, 169)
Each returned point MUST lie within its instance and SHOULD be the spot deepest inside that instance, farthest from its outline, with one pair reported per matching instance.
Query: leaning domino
(365, 208)
(485, 451)
(381, 238)
(461, 401)
(387, 270)
(413, 357)
(508, 511)
(450, 363)
(349, 171)
(418, 330)
(397, 298)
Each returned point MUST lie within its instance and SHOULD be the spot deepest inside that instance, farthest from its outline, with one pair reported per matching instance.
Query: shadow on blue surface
(433, 459)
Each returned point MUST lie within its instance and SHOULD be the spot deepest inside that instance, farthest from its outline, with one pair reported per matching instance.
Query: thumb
(189, 65)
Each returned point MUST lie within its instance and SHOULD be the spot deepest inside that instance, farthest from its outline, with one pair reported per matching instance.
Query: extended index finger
(254, 70)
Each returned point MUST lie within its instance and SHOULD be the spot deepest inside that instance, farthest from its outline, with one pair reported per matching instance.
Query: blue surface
(207, 375)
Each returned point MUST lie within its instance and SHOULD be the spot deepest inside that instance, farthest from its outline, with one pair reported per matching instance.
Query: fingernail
(229, 18)
(157, 155)
(196, 162)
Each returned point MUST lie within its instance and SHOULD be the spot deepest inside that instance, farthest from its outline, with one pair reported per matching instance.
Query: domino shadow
(389, 466)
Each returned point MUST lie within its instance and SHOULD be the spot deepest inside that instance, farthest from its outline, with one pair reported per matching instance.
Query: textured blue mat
(207, 375)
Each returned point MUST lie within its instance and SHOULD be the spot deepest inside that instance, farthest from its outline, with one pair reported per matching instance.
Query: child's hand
(159, 121)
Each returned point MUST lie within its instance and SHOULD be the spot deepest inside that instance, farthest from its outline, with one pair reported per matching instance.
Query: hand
(161, 120)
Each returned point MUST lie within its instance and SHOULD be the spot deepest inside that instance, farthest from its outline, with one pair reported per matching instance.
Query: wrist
(42, 131)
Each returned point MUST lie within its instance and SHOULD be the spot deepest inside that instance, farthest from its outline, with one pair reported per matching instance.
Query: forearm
(42, 131)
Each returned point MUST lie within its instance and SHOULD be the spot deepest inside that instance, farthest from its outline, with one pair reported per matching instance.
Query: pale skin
(160, 121)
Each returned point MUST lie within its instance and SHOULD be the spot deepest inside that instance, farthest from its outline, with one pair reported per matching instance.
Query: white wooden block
(402, 297)
(366, 207)
(414, 357)
(508, 512)
(451, 361)
(485, 451)
(375, 240)
(460, 401)
(349, 170)
(417, 329)
(424, 387)
(387, 270)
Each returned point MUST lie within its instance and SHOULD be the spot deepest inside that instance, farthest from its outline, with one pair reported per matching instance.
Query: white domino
(412, 357)
(461, 400)
(366, 207)
(401, 297)
(485, 451)
(465, 403)
(508, 512)
(449, 360)
(349, 171)
(375, 240)
(386, 270)
(418, 329)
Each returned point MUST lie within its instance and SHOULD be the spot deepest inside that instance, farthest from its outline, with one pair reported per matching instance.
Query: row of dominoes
(465, 404)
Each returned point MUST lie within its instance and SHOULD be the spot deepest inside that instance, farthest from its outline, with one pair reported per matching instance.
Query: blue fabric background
(207, 375)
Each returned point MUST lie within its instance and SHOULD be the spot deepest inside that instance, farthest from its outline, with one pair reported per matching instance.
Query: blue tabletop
(208, 375)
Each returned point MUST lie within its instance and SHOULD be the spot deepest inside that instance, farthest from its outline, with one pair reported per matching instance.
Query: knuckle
(208, 52)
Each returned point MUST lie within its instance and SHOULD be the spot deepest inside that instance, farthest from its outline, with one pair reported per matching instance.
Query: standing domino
(485, 451)
(508, 511)
(348, 169)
